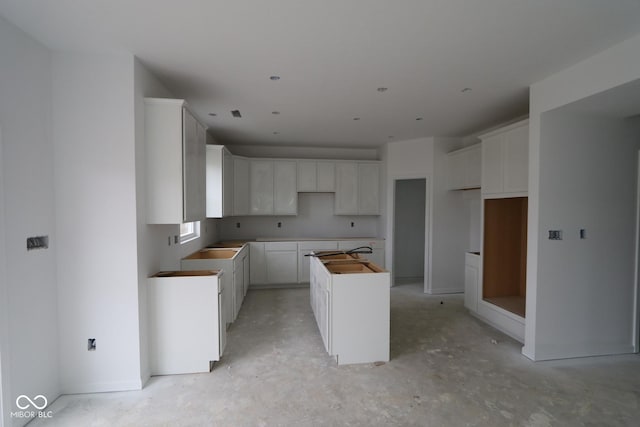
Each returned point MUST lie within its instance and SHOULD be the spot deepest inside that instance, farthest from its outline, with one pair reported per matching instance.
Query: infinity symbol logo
(33, 403)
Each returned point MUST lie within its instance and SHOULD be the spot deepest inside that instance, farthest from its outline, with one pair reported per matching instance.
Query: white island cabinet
(186, 329)
(351, 303)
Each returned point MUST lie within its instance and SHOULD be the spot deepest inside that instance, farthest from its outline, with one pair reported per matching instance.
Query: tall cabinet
(501, 293)
(175, 162)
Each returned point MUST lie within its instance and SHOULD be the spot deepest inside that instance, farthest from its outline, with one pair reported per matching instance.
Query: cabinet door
(346, 202)
(285, 198)
(261, 187)
(456, 170)
(240, 186)
(282, 262)
(193, 169)
(516, 160)
(471, 288)
(306, 176)
(258, 266)
(369, 189)
(214, 190)
(492, 165)
(326, 177)
(227, 183)
(473, 167)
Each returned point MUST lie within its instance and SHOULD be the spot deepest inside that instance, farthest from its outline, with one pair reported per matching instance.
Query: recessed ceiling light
(390, 136)
(418, 118)
(383, 89)
(212, 114)
(236, 113)
(466, 89)
(274, 78)
(356, 118)
(275, 113)
(276, 133)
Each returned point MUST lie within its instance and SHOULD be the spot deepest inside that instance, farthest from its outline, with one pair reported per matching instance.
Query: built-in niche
(504, 273)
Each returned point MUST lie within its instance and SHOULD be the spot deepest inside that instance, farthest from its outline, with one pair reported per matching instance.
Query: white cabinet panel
(492, 164)
(307, 176)
(240, 186)
(261, 187)
(465, 168)
(258, 263)
(219, 184)
(505, 161)
(346, 202)
(175, 163)
(282, 266)
(368, 189)
(516, 160)
(326, 177)
(471, 281)
(227, 183)
(285, 192)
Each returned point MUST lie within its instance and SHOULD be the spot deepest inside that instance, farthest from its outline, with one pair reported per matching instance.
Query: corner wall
(28, 308)
(93, 134)
(613, 67)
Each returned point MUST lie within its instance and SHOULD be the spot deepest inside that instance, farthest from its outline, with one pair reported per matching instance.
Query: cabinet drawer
(281, 246)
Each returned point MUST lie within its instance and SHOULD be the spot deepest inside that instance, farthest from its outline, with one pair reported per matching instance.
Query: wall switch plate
(37, 242)
(555, 234)
(583, 233)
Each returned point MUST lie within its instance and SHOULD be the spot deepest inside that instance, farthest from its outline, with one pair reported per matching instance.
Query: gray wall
(588, 179)
(409, 228)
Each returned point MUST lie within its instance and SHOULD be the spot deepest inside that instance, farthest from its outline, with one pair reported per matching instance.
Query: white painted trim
(391, 205)
(503, 129)
(103, 387)
(5, 383)
(636, 300)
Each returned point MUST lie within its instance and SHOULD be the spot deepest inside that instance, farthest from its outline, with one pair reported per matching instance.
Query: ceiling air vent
(236, 113)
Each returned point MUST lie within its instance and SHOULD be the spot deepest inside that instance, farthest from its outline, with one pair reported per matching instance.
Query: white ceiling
(332, 55)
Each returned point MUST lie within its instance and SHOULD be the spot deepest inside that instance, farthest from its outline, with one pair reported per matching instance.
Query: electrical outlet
(237, 225)
(169, 240)
(583, 233)
(176, 239)
(279, 224)
(353, 224)
(91, 344)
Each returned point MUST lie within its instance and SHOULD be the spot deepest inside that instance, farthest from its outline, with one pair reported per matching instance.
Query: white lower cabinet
(305, 248)
(258, 264)
(351, 331)
(187, 330)
(471, 281)
(230, 261)
(281, 259)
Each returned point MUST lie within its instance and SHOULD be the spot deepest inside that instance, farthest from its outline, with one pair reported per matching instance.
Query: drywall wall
(28, 309)
(315, 219)
(586, 286)
(447, 226)
(95, 190)
(409, 228)
(616, 66)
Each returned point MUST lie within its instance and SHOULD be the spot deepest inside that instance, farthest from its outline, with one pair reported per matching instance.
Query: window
(189, 231)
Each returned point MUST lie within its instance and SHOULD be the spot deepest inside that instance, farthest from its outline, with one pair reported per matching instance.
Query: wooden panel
(504, 253)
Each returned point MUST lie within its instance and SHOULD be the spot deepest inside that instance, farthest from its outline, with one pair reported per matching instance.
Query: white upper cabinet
(465, 167)
(368, 189)
(346, 202)
(219, 182)
(175, 163)
(261, 187)
(307, 176)
(505, 161)
(357, 188)
(316, 176)
(273, 187)
(240, 186)
(285, 194)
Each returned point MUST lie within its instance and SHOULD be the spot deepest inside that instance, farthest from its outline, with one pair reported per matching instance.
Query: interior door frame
(427, 225)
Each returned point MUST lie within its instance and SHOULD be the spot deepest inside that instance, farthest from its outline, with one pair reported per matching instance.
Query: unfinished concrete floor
(447, 369)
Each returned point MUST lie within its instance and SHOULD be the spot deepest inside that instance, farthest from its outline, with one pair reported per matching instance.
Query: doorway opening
(409, 226)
